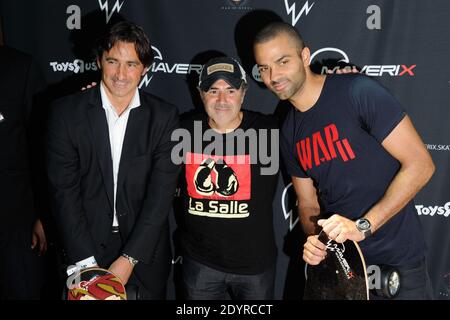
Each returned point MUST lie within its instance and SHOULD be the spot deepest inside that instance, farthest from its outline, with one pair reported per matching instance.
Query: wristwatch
(364, 226)
(131, 260)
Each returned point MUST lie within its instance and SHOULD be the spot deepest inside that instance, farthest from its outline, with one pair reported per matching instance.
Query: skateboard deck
(342, 275)
(97, 284)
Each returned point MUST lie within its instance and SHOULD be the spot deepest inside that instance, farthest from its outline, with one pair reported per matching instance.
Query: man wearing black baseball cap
(222, 85)
(227, 238)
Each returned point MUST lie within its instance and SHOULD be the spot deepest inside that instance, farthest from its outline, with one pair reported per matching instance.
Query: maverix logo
(159, 65)
(218, 177)
(335, 55)
(338, 249)
(374, 70)
(315, 150)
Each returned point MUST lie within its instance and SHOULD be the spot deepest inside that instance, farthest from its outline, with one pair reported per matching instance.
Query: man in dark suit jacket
(110, 171)
(21, 230)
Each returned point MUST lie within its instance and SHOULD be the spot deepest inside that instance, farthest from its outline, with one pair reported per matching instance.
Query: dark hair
(276, 28)
(127, 32)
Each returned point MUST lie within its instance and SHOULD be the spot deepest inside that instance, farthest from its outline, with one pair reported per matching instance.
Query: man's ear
(306, 56)
(244, 91)
(99, 64)
(242, 99)
(145, 71)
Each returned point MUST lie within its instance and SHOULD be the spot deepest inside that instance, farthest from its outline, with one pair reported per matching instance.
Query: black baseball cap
(224, 68)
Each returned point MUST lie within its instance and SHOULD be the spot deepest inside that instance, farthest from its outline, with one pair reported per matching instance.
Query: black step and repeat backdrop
(404, 44)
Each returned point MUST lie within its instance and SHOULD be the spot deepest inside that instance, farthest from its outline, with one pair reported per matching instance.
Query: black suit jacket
(19, 81)
(81, 179)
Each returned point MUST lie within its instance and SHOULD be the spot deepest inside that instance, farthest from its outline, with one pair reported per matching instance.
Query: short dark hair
(276, 28)
(127, 32)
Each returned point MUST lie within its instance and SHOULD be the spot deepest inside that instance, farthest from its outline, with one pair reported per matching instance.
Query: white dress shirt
(117, 126)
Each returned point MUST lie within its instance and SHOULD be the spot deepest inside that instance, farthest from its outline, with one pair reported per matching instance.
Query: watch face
(363, 224)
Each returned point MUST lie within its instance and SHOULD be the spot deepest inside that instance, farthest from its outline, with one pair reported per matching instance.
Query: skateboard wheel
(390, 282)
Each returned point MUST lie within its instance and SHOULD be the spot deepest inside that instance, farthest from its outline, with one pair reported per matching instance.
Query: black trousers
(137, 286)
(21, 269)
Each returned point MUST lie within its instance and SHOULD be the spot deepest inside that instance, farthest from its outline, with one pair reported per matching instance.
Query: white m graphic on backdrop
(104, 6)
(290, 8)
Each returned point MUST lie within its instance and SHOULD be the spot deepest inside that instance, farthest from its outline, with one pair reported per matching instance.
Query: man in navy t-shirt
(353, 155)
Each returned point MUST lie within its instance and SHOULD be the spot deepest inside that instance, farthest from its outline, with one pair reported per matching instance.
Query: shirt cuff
(80, 265)
(86, 263)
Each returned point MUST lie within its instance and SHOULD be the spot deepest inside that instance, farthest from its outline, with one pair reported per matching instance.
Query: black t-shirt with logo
(337, 143)
(228, 216)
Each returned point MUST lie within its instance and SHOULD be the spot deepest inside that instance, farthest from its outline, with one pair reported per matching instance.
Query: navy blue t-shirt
(337, 143)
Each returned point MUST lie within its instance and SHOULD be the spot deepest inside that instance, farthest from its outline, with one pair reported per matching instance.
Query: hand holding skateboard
(96, 284)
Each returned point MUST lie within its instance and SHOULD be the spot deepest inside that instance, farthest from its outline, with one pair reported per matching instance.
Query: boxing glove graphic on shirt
(225, 183)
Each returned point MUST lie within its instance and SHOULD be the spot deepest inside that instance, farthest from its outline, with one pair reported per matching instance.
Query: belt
(115, 229)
